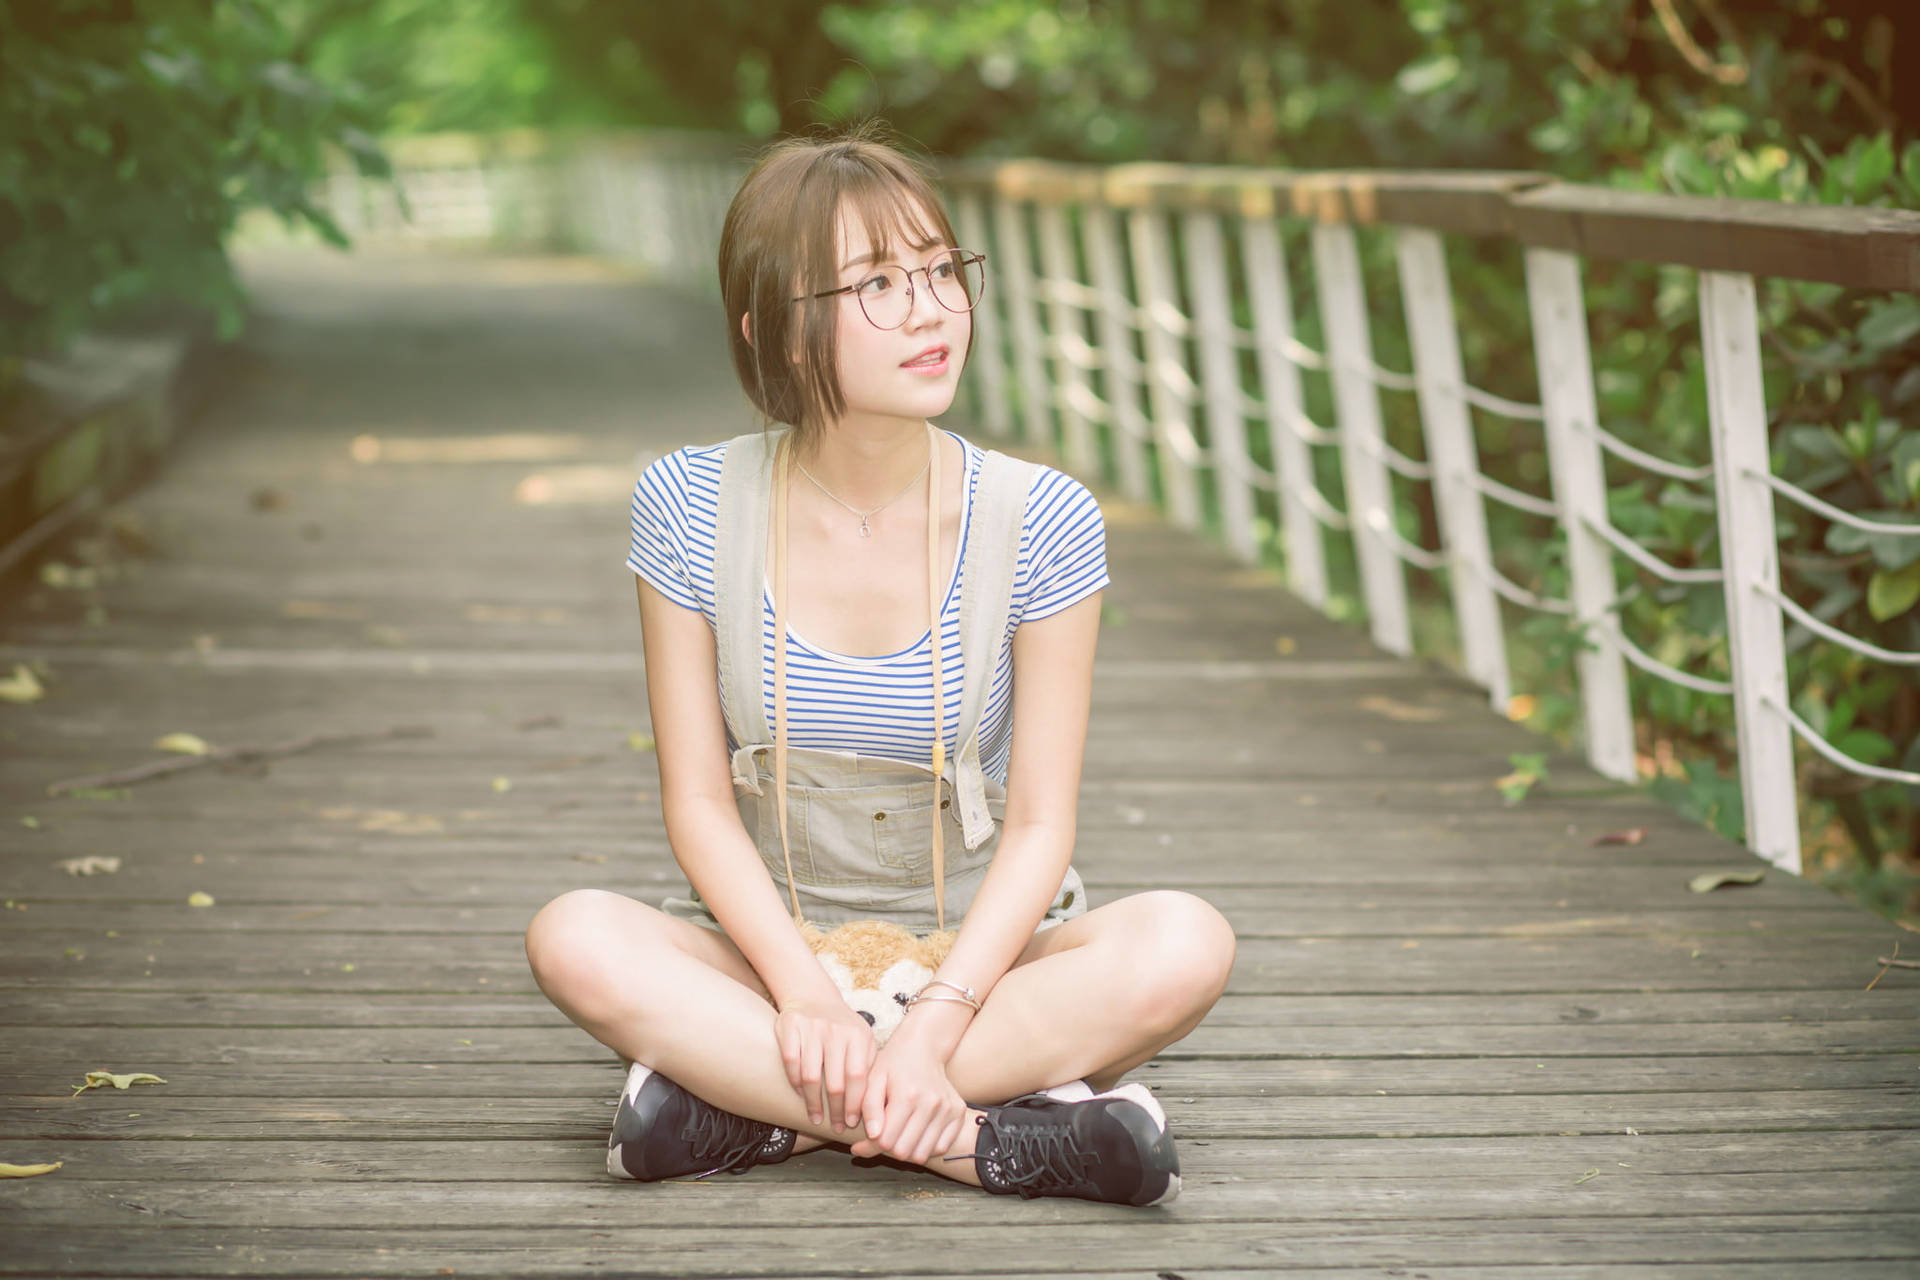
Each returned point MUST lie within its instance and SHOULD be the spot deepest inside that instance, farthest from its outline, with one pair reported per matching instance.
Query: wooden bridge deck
(1461, 1038)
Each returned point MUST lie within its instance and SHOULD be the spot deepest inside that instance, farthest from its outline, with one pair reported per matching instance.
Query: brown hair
(780, 242)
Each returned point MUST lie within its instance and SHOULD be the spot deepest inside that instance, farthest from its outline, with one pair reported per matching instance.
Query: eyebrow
(875, 255)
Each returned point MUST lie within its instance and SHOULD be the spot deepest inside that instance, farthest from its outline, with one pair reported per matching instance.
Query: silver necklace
(866, 532)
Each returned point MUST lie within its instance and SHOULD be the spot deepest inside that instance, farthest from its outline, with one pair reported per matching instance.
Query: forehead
(890, 223)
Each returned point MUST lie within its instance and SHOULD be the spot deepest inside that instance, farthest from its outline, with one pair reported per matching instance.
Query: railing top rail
(1859, 247)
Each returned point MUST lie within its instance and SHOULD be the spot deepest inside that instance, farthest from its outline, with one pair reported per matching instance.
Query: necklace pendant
(864, 531)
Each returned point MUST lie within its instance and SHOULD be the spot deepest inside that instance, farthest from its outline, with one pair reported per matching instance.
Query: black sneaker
(1113, 1147)
(662, 1131)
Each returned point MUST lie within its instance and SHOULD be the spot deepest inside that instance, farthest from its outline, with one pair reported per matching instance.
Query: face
(884, 373)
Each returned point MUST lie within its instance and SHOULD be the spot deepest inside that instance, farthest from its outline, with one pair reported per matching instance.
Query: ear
(746, 326)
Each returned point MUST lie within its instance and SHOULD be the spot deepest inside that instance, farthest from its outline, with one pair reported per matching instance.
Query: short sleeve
(658, 551)
(1063, 547)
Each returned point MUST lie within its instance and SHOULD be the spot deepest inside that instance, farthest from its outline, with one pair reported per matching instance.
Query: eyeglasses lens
(956, 277)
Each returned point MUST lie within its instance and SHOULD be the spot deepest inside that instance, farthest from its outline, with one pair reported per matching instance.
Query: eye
(944, 269)
(874, 286)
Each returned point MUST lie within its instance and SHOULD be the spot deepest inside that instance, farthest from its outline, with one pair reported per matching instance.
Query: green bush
(134, 133)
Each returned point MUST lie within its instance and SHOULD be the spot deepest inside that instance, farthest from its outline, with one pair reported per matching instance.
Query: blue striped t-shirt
(876, 705)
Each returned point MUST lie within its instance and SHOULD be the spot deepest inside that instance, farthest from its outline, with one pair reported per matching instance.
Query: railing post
(1272, 299)
(1559, 314)
(1069, 330)
(1017, 274)
(1121, 367)
(1441, 384)
(1219, 359)
(988, 359)
(1172, 424)
(1343, 308)
(1749, 557)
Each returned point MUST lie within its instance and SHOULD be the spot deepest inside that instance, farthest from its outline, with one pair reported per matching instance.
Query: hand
(912, 1110)
(828, 1050)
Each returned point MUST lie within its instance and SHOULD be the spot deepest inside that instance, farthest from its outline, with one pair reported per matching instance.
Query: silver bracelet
(968, 992)
(921, 996)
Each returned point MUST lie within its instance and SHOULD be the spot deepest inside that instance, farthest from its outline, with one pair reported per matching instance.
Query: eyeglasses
(956, 277)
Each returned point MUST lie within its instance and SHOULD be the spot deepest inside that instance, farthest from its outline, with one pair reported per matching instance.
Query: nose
(922, 294)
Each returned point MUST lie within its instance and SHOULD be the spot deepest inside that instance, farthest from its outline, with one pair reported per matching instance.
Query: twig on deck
(1891, 962)
(233, 755)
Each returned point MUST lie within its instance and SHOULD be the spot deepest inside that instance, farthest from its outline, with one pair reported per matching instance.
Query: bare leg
(679, 998)
(1095, 997)
(1089, 998)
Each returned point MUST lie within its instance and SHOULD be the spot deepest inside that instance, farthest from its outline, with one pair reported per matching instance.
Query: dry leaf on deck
(1711, 880)
(91, 865)
(100, 1079)
(1405, 712)
(28, 1170)
(187, 744)
(21, 686)
(644, 742)
(199, 899)
(1632, 835)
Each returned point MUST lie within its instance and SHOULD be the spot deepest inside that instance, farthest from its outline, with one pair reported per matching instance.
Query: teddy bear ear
(869, 1017)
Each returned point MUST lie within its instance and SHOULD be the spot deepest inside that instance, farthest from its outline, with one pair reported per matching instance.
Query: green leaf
(1872, 167)
(1891, 323)
(1708, 881)
(1891, 550)
(1892, 592)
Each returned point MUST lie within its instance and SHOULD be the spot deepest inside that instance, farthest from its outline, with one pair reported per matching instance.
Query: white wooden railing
(1106, 342)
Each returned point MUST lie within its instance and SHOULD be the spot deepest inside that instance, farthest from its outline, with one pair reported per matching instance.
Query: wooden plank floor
(1460, 1038)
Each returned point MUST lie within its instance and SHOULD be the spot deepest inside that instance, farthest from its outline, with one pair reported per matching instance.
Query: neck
(867, 463)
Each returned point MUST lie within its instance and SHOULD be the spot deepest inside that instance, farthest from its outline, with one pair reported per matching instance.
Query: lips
(931, 356)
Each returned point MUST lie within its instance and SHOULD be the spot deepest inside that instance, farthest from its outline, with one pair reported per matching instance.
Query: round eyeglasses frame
(966, 258)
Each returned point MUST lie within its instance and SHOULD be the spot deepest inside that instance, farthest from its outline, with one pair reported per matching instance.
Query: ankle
(805, 1142)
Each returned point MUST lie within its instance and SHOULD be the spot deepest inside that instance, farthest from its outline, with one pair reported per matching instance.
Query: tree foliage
(131, 134)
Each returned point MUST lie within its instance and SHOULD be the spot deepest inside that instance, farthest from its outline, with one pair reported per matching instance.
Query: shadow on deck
(1461, 1037)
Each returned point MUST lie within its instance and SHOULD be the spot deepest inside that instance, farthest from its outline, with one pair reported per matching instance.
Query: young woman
(792, 584)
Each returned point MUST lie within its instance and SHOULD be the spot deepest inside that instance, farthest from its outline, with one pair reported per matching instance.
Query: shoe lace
(732, 1142)
(1037, 1158)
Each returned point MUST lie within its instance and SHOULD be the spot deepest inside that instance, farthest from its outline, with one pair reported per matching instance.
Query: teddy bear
(877, 966)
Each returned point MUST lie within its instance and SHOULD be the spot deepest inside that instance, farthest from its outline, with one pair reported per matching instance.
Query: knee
(1183, 951)
(561, 941)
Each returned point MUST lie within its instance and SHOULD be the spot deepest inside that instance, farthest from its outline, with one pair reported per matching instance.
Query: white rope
(1492, 488)
(1651, 563)
(1396, 461)
(1837, 756)
(1320, 509)
(1076, 350)
(1897, 657)
(1647, 662)
(1621, 449)
(1069, 292)
(1292, 349)
(1081, 399)
(1833, 513)
(1507, 589)
(1411, 552)
(1501, 405)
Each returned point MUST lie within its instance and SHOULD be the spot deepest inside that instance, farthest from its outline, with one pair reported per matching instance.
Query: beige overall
(860, 830)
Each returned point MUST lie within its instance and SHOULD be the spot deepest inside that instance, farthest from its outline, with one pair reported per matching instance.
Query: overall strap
(986, 600)
(739, 576)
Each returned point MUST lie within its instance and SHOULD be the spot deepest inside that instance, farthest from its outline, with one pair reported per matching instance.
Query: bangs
(886, 210)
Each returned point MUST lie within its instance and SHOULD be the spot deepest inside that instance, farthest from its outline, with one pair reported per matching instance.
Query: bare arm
(696, 795)
(1052, 702)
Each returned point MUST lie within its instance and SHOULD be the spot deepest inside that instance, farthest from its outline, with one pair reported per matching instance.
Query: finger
(874, 1106)
(856, 1085)
(810, 1080)
(834, 1077)
(791, 1039)
(908, 1142)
